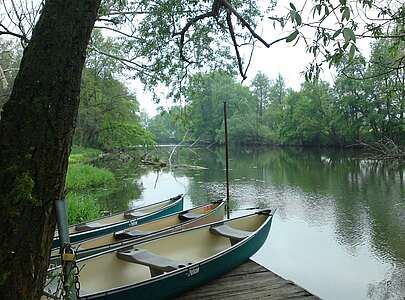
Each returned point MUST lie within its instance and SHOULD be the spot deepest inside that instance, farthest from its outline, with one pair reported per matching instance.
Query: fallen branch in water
(191, 167)
(155, 163)
(385, 149)
(175, 147)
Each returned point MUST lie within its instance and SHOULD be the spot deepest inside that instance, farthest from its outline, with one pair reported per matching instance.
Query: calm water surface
(339, 229)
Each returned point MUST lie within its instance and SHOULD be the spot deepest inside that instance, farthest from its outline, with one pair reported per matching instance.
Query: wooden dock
(248, 281)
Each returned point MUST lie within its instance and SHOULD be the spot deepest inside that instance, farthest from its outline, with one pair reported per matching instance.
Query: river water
(339, 229)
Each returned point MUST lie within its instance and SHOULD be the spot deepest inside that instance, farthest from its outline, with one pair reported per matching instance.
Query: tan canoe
(194, 217)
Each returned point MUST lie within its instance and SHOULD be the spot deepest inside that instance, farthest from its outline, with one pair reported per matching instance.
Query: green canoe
(122, 220)
(169, 265)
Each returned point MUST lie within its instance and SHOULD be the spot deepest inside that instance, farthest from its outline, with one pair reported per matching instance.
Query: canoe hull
(191, 277)
(170, 209)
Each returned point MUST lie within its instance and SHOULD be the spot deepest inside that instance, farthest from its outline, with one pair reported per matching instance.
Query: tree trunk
(36, 131)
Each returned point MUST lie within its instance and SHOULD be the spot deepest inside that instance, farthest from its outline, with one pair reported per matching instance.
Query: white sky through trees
(281, 58)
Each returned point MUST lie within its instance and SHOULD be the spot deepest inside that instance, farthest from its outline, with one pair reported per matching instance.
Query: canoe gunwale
(158, 233)
(172, 199)
(117, 224)
(216, 256)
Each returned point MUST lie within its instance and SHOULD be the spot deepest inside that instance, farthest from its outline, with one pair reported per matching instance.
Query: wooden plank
(248, 281)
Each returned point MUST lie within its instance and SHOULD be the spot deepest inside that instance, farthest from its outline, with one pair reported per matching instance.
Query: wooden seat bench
(157, 264)
(88, 226)
(134, 214)
(235, 235)
(124, 234)
(187, 216)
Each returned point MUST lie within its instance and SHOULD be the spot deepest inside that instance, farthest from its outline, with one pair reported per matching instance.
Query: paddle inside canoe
(122, 220)
(166, 266)
(194, 217)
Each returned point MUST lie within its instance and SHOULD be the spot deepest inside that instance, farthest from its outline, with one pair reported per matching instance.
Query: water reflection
(355, 209)
(340, 226)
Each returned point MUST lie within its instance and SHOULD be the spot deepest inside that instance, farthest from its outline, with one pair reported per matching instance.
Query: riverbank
(83, 182)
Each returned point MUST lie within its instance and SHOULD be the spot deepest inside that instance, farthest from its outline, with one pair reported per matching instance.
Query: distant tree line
(366, 103)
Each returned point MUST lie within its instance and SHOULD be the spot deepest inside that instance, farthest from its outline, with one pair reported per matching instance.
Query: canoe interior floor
(248, 281)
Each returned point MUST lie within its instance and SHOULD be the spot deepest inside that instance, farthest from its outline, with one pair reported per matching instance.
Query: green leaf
(352, 51)
(346, 14)
(292, 6)
(337, 32)
(348, 34)
(298, 19)
(292, 36)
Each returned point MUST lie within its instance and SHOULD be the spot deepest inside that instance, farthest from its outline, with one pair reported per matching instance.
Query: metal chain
(69, 256)
(76, 275)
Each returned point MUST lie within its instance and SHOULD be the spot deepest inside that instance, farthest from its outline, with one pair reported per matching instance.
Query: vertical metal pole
(226, 161)
(63, 232)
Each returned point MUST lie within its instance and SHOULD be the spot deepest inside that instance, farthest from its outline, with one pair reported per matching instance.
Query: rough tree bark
(36, 131)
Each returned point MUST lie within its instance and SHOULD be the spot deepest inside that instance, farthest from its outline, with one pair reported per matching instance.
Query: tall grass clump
(83, 183)
(82, 207)
(82, 176)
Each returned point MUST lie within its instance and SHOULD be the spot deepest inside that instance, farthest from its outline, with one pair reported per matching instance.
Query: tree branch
(182, 33)
(244, 23)
(231, 31)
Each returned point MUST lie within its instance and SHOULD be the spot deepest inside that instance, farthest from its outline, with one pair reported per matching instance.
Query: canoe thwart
(235, 235)
(157, 264)
(188, 216)
(134, 214)
(87, 226)
(124, 234)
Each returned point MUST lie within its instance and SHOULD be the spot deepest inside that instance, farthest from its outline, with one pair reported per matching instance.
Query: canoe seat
(157, 264)
(134, 214)
(88, 226)
(235, 235)
(187, 216)
(124, 234)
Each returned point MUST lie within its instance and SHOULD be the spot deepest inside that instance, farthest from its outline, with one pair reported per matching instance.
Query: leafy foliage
(206, 94)
(169, 126)
(108, 113)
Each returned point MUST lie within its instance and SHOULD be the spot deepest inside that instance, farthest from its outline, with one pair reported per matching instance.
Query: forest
(365, 103)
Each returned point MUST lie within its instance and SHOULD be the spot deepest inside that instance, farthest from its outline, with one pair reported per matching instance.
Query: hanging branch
(230, 8)
(214, 12)
(231, 31)
(183, 32)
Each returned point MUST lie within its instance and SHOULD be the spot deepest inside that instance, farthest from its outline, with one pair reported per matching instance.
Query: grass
(82, 182)
(82, 207)
(83, 176)
(80, 154)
